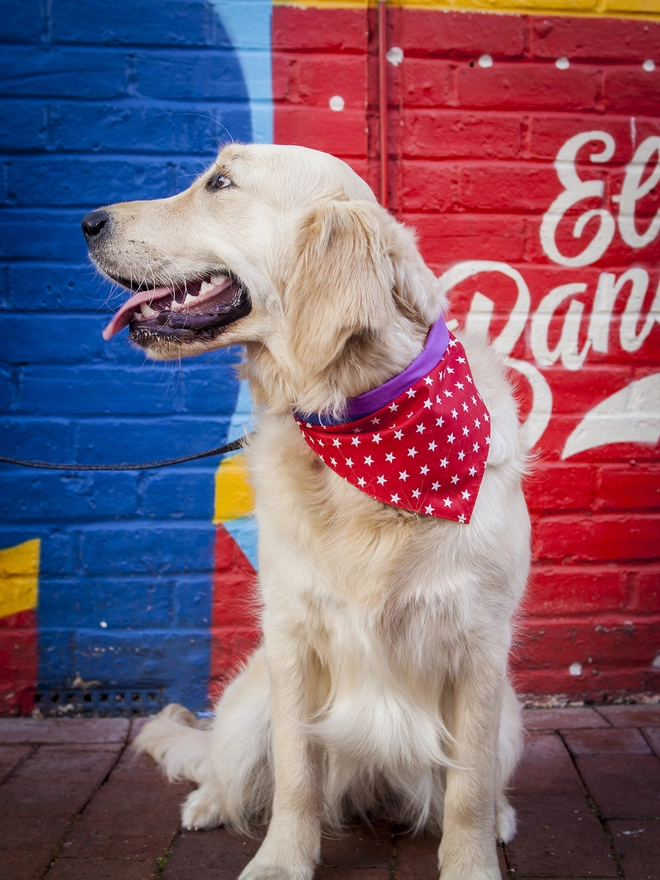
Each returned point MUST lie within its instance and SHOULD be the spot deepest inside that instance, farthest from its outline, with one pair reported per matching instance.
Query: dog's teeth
(205, 286)
(189, 298)
(218, 279)
(147, 311)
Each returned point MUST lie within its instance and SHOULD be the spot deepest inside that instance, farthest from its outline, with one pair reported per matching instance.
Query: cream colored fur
(381, 685)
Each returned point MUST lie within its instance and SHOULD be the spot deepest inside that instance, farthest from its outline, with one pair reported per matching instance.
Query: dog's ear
(341, 284)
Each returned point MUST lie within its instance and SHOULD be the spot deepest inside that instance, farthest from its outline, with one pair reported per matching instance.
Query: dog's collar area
(368, 403)
(424, 452)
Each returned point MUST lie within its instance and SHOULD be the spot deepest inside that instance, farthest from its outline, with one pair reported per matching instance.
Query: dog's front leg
(468, 849)
(292, 845)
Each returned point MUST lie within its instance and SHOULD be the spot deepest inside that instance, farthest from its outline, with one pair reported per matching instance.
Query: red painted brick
(459, 236)
(610, 741)
(559, 487)
(562, 719)
(561, 835)
(631, 90)
(623, 786)
(574, 589)
(648, 590)
(450, 134)
(549, 132)
(632, 716)
(426, 186)
(598, 643)
(305, 29)
(430, 33)
(521, 187)
(313, 80)
(427, 83)
(611, 39)
(546, 768)
(619, 487)
(597, 539)
(638, 846)
(613, 683)
(526, 86)
(342, 133)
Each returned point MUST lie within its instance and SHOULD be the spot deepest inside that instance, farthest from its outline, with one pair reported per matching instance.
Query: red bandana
(424, 452)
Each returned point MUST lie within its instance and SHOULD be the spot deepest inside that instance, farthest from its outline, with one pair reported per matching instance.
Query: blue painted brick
(165, 22)
(59, 72)
(61, 496)
(137, 125)
(142, 548)
(7, 390)
(156, 388)
(46, 439)
(55, 338)
(126, 603)
(23, 125)
(179, 493)
(21, 20)
(42, 235)
(55, 287)
(74, 180)
(132, 658)
(58, 547)
(188, 75)
(141, 440)
(191, 600)
(56, 654)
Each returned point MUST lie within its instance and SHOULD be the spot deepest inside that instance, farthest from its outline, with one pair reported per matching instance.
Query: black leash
(143, 466)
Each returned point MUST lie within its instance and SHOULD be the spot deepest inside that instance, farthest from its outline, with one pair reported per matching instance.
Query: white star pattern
(428, 488)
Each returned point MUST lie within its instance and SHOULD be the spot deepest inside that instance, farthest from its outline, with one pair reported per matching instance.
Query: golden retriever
(381, 685)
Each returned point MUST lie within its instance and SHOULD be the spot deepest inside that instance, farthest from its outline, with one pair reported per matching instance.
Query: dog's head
(281, 249)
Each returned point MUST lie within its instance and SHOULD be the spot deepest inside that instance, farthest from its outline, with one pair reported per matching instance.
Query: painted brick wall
(143, 580)
(103, 102)
(479, 107)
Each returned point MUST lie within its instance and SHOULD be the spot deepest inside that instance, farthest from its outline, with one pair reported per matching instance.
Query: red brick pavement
(75, 804)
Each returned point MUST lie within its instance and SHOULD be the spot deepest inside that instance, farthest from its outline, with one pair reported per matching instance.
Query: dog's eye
(218, 181)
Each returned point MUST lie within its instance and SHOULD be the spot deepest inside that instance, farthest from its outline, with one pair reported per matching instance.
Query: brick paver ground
(75, 804)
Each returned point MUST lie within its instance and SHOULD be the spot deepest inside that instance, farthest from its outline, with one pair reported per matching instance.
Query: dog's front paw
(201, 810)
(505, 822)
(258, 870)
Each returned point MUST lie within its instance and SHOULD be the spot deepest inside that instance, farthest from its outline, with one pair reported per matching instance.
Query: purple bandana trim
(367, 403)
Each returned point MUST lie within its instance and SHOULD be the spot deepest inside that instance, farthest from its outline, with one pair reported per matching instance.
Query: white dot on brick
(395, 55)
(485, 61)
(648, 65)
(575, 669)
(337, 103)
(656, 662)
(562, 63)
(103, 624)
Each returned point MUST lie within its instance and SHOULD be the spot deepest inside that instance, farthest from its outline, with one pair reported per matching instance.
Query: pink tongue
(122, 318)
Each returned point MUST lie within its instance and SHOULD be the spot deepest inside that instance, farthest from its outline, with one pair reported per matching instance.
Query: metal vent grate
(100, 702)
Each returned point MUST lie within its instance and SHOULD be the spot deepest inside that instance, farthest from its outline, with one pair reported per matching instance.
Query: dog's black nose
(94, 223)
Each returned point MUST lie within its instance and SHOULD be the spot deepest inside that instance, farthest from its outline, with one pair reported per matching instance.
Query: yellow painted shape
(19, 577)
(233, 493)
(594, 8)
